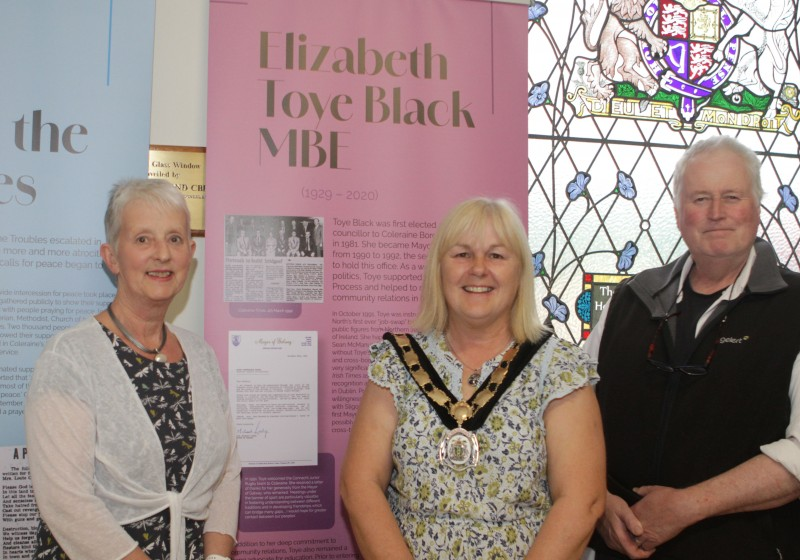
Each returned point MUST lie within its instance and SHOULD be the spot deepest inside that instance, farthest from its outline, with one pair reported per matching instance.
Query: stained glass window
(617, 91)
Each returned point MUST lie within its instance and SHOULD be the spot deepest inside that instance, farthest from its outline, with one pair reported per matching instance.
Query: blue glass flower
(557, 308)
(578, 185)
(788, 198)
(627, 256)
(537, 96)
(538, 264)
(536, 11)
(583, 305)
(625, 186)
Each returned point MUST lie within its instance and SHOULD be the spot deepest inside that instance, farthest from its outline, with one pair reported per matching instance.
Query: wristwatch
(217, 557)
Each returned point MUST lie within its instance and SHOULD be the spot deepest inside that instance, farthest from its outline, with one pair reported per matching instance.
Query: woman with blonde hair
(479, 435)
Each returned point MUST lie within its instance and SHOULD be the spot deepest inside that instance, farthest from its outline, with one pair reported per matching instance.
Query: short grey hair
(716, 144)
(156, 192)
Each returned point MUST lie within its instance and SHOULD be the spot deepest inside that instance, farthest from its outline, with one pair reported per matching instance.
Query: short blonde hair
(470, 216)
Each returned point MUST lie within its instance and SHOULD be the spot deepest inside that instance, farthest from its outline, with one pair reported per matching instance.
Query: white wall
(178, 118)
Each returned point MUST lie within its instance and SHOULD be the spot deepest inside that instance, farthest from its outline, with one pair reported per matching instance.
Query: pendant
(160, 358)
(459, 449)
(461, 412)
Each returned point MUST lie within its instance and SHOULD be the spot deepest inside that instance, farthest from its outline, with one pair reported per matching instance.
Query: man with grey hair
(699, 389)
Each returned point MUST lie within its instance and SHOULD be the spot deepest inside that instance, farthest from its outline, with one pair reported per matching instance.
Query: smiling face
(152, 257)
(718, 213)
(480, 278)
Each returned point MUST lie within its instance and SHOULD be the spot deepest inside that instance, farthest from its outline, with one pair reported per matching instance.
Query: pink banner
(339, 133)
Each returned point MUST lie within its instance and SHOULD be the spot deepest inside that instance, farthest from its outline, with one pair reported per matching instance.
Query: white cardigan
(95, 458)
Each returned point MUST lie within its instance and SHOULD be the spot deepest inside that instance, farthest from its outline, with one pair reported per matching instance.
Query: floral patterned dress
(166, 395)
(495, 509)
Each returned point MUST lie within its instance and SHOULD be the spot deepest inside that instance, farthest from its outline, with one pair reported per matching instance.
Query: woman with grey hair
(479, 435)
(130, 438)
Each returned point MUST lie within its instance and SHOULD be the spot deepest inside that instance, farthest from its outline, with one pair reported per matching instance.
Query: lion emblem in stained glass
(691, 63)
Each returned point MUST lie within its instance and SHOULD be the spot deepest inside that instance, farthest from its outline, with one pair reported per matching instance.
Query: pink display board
(356, 125)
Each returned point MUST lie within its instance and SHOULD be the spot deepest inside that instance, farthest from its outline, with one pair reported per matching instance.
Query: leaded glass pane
(614, 101)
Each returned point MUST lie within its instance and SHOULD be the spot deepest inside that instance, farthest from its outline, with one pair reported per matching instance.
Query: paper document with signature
(273, 390)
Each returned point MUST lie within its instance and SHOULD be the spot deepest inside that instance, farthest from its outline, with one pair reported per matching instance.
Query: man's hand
(663, 514)
(621, 529)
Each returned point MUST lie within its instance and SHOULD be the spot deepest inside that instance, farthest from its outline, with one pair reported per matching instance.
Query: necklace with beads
(159, 357)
